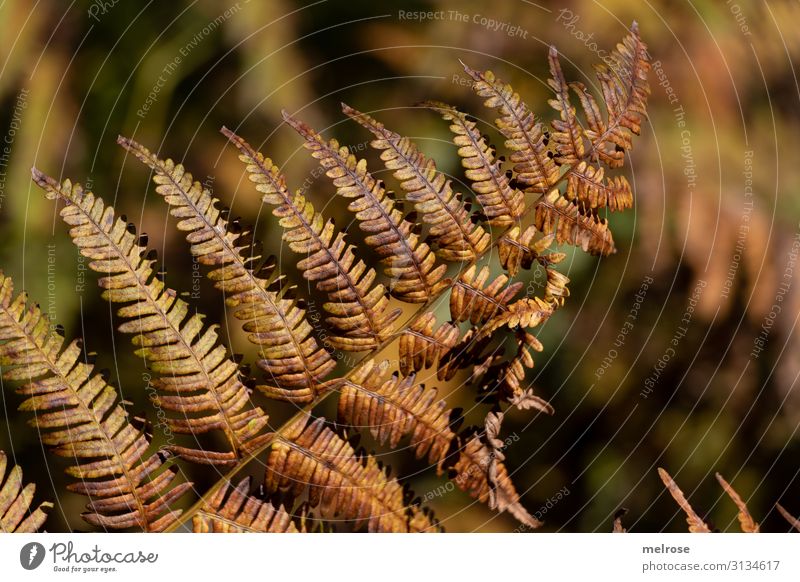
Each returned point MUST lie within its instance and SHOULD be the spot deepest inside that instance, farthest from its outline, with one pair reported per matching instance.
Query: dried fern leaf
(624, 87)
(234, 510)
(360, 309)
(79, 416)
(524, 313)
(472, 476)
(533, 165)
(421, 347)
(558, 215)
(502, 203)
(696, 523)
(567, 135)
(618, 527)
(512, 375)
(416, 277)
(392, 407)
(345, 485)
(795, 523)
(16, 513)
(198, 380)
(289, 354)
(514, 250)
(746, 521)
(471, 299)
(585, 185)
(457, 237)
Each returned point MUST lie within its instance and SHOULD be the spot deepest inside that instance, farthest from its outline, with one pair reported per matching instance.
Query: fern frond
(472, 476)
(471, 299)
(625, 89)
(746, 521)
(585, 185)
(234, 510)
(16, 513)
(523, 313)
(558, 215)
(289, 354)
(696, 523)
(339, 481)
(502, 203)
(533, 165)
(458, 238)
(359, 305)
(79, 416)
(392, 407)
(411, 264)
(793, 521)
(567, 134)
(618, 527)
(200, 380)
(421, 347)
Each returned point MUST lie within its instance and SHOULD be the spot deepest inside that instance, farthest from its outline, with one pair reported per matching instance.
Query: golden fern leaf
(471, 299)
(393, 407)
(696, 523)
(420, 347)
(585, 185)
(562, 217)
(16, 514)
(339, 481)
(234, 510)
(793, 521)
(533, 165)
(411, 264)
(523, 313)
(289, 353)
(457, 237)
(556, 290)
(746, 521)
(359, 306)
(512, 374)
(77, 414)
(624, 87)
(567, 134)
(502, 203)
(200, 381)
(472, 476)
(517, 249)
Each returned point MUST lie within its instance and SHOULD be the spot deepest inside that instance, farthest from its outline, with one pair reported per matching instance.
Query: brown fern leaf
(501, 202)
(746, 521)
(567, 135)
(78, 415)
(421, 347)
(696, 523)
(199, 379)
(234, 510)
(558, 215)
(309, 455)
(585, 185)
(289, 354)
(514, 249)
(618, 527)
(393, 407)
(458, 238)
(359, 306)
(471, 299)
(524, 313)
(16, 514)
(556, 291)
(625, 89)
(512, 374)
(472, 476)
(411, 264)
(795, 523)
(533, 165)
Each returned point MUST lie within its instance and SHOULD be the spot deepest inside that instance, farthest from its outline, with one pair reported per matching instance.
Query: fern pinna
(554, 191)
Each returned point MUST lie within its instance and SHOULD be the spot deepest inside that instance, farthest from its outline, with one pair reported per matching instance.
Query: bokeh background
(705, 259)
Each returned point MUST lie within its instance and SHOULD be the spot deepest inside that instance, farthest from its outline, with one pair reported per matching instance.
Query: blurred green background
(715, 176)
